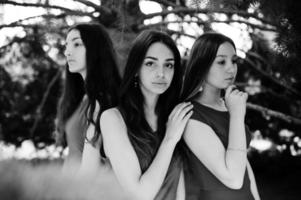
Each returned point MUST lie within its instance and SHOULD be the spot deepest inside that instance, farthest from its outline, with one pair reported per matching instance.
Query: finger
(184, 112)
(183, 107)
(234, 92)
(245, 95)
(187, 117)
(240, 93)
(175, 109)
(228, 90)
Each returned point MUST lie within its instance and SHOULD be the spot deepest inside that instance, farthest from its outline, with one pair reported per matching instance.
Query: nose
(231, 68)
(160, 71)
(67, 52)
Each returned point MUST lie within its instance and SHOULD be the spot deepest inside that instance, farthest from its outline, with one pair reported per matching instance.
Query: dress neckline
(210, 108)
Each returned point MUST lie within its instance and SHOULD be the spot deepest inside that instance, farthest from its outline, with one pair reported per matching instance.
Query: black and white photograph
(150, 99)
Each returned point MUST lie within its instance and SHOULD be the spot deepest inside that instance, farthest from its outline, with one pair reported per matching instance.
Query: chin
(73, 71)
(227, 85)
(159, 91)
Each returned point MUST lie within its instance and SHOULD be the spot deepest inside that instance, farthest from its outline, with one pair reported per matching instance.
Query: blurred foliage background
(32, 62)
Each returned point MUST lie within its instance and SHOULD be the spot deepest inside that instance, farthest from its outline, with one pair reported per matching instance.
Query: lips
(230, 79)
(159, 83)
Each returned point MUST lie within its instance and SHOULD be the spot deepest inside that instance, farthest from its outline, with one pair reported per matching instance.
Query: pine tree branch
(179, 33)
(16, 39)
(141, 27)
(162, 27)
(270, 77)
(19, 23)
(264, 89)
(208, 11)
(102, 9)
(38, 114)
(36, 5)
(48, 6)
(276, 114)
(168, 3)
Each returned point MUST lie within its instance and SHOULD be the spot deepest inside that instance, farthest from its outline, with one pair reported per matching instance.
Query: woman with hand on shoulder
(140, 135)
(91, 83)
(216, 138)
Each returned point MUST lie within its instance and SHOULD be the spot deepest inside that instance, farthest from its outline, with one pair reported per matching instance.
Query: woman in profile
(91, 83)
(141, 133)
(216, 164)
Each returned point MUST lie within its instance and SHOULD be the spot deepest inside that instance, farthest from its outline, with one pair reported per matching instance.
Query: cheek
(169, 75)
(235, 72)
(142, 74)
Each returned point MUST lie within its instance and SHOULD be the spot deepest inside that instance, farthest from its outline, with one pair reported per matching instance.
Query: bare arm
(228, 165)
(125, 162)
(90, 163)
(254, 189)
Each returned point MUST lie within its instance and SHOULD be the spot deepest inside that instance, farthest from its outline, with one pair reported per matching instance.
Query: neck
(210, 96)
(83, 74)
(150, 103)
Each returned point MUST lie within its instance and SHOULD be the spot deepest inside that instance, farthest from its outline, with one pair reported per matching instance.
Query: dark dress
(168, 190)
(200, 183)
(76, 128)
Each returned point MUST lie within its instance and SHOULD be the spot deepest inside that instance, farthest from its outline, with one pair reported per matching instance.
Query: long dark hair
(201, 57)
(144, 141)
(101, 83)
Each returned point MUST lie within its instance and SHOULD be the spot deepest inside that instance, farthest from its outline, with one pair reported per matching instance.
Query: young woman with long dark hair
(91, 84)
(216, 164)
(141, 133)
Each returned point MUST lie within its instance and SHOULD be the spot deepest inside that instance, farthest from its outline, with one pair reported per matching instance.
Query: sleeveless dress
(75, 130)
(168, 190)
(200, 183)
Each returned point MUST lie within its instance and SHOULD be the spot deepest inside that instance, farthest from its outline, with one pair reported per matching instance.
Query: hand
(177, 121)
(236, 101)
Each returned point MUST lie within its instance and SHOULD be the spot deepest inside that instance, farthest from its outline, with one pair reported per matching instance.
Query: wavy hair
(100, 85)
(201, 57)
(144, 141)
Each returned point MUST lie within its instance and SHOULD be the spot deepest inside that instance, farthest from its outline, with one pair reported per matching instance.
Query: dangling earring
(201, 89)
(136, 81)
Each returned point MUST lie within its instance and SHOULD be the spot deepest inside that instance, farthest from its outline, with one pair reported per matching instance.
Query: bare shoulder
(196, 128)
(198, 125)
(111, 113)
(112, 119)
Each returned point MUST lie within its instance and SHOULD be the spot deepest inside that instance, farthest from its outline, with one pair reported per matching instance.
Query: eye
(169, 65)
(77, 44)
(221, 62)
(149, 63)
(235, 60)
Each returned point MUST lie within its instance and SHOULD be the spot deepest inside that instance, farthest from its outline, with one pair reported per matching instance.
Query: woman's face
(223, 70)
(157, 70)
(75, 52)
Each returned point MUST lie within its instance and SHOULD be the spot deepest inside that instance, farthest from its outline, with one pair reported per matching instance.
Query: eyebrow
(153, 58)
(221, 56)
(224, 56)
(75, 38)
